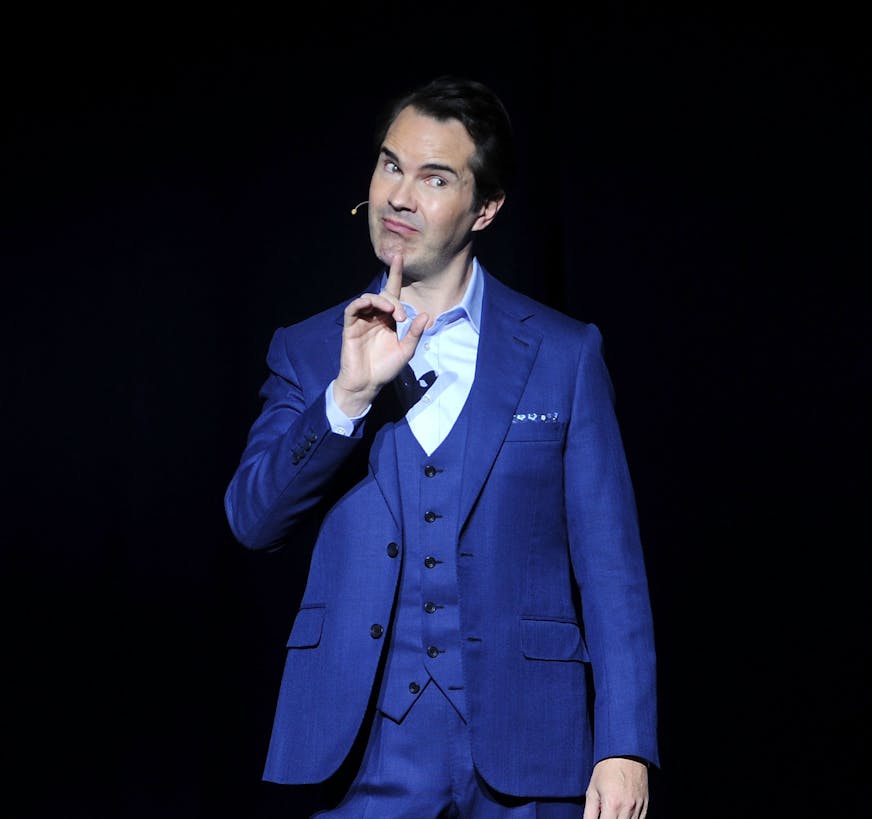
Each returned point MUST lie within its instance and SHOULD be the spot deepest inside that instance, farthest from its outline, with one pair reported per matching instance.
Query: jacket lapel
(507, 348)
(384, 467)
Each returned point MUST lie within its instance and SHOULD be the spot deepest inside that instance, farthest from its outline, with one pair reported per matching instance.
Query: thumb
(414, 333)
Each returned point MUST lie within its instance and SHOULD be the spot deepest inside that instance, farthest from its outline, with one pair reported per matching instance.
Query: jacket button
(429, 517)
(429, 607)
(429, 562)
(393, 549)
(432, 652)
(429, 470)
(376, 631)
(414, 688)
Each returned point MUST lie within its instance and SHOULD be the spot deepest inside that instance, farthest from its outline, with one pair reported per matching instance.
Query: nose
(402, 195)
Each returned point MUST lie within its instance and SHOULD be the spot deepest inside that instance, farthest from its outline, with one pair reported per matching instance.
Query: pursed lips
(399, 227)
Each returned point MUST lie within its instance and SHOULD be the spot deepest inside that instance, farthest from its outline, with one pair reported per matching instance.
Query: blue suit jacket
(558, 649)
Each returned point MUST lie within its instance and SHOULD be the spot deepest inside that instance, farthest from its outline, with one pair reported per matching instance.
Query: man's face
(421, 193)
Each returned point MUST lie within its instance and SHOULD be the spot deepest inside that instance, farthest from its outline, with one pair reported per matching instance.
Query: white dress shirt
(449, 348)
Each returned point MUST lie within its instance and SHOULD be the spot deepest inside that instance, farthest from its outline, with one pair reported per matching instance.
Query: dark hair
(483, 115)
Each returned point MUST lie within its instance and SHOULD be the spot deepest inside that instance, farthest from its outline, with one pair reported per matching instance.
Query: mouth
(398, 227)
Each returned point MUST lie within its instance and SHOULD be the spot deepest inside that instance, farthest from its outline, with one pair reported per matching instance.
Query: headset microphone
(354, 209)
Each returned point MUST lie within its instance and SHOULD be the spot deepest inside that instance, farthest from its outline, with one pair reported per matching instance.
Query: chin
(387, 249)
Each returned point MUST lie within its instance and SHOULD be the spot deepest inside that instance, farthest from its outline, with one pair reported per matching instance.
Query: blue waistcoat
(425, 633)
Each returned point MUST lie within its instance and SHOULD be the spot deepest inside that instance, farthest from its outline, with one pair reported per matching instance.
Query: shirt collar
(469, 307)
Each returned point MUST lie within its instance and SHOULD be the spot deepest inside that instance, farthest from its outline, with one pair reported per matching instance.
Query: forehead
(418, 139)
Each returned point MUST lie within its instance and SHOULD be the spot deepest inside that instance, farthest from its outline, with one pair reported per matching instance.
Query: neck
(436, 294)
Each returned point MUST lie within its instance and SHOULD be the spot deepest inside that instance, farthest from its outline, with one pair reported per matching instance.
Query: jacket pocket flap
(306, 631)
(552, 640)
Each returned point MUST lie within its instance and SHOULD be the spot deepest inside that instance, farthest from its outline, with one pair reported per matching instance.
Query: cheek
(444, 215)
(377, 188)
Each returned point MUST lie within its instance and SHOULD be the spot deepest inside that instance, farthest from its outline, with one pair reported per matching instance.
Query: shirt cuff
(339, 422)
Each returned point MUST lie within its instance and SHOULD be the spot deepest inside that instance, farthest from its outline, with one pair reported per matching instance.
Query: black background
(177, 185)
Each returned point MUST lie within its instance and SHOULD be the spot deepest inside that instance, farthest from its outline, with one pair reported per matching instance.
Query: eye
(391, 167)
(436, 182)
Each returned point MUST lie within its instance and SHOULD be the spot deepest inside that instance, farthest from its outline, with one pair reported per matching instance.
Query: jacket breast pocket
(307, 628)
(552, 640)
(536, 431)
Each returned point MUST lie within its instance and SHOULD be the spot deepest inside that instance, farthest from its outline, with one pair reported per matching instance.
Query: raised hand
(372, 354)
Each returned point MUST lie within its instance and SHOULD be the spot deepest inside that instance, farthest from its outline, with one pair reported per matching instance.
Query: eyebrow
(430, 166)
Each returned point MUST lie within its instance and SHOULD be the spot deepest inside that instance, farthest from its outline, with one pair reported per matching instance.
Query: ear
(488, 211)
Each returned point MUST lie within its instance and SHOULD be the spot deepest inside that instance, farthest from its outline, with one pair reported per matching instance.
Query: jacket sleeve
(290, 456)
(608, 560)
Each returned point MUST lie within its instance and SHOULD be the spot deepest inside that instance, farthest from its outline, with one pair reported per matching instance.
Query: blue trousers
(422, 769)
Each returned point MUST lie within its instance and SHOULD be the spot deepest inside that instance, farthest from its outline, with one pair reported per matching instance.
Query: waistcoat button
(429, 517)
(432, 652)
(429, 470)
(429, 562)
(393, 549)
(414, 688)
(429, 607)
(376, 631)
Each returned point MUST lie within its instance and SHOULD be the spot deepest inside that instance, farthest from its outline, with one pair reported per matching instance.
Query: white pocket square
(535, 417)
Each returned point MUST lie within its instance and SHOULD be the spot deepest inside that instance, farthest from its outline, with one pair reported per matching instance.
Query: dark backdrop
(175, 187)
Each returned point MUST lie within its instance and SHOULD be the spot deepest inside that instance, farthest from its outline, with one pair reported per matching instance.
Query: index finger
(395, 277)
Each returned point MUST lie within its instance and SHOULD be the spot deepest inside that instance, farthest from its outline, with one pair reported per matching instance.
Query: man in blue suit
(475, 637)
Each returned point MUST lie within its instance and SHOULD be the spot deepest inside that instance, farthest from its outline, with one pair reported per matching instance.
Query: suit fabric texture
(558, 655)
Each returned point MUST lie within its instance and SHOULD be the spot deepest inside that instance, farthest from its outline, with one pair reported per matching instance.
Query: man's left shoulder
(536, 314)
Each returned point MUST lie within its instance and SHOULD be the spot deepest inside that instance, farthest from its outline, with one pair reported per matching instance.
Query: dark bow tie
(410, 387)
